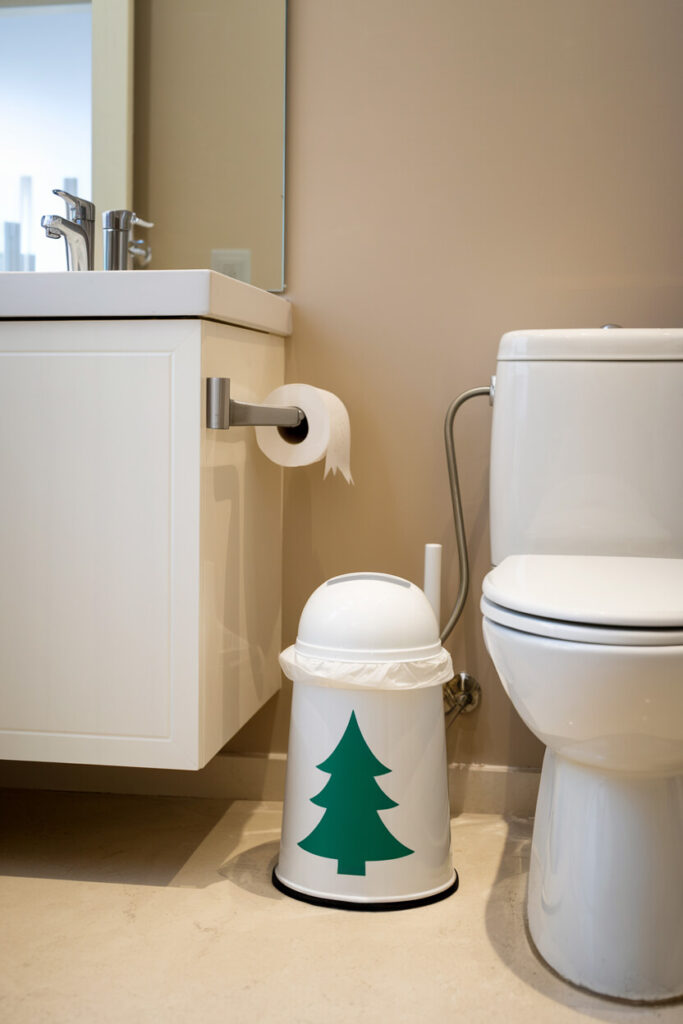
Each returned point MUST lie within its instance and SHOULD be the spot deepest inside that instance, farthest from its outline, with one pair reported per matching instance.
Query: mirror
(45, 69)
(209, 134)
(205, 124)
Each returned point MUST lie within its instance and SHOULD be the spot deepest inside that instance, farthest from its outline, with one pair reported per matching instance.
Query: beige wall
(455, 169)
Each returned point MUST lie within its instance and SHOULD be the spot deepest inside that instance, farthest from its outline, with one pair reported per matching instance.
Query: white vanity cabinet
(140, 552)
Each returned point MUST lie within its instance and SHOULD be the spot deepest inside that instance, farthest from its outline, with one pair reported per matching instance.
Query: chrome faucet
(77, 255)
(118, 245)
(76, 229)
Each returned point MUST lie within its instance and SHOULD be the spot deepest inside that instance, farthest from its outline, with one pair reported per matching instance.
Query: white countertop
(142, 293)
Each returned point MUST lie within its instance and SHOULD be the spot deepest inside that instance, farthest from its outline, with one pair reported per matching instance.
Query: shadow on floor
(252, 870)
(508, 933)
(108, 838)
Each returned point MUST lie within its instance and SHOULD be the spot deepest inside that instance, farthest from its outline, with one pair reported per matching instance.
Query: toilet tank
(587, 443)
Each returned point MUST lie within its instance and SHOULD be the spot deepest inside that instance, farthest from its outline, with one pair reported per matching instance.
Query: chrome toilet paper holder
(223, 412)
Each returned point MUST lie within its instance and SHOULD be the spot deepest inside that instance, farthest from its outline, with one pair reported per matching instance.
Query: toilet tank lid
(593, 343)
(594, 589)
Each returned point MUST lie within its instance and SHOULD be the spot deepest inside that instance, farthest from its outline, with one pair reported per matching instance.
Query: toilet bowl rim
(580, 632)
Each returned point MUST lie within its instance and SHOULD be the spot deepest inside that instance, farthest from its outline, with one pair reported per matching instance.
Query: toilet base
(605, 900)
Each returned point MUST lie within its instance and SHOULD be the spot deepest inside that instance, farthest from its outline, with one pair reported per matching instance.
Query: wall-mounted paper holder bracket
(223, 412)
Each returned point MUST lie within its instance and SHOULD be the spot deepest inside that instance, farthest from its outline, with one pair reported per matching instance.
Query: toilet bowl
(590, 652)
(583, 618)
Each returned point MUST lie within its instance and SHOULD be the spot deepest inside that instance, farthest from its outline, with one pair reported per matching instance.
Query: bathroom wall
(455, 169)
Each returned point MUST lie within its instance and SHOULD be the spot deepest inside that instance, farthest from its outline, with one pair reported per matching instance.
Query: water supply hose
(460, 538)
(463, 692)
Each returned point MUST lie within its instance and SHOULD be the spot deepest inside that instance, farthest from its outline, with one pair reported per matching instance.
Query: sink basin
(150, 293)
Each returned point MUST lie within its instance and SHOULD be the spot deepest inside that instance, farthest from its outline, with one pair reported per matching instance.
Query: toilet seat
(589, 598)
(580, 632)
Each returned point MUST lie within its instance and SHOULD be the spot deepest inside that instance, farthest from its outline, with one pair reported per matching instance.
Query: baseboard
(493, 789)
(473, 788)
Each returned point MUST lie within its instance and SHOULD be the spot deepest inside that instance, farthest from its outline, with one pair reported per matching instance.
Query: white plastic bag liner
(370, 675)
(366, 818)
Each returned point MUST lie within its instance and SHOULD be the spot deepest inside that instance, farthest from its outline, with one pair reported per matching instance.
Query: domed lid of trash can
(370, 617)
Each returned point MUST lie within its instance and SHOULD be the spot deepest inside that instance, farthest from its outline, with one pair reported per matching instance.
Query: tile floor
(146, 909)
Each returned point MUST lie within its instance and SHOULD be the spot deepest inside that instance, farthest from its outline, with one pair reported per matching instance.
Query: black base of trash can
(321, 901)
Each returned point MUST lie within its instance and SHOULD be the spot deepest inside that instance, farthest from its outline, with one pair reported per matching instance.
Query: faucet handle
(142, 223)
(123, 220)
(77, 209)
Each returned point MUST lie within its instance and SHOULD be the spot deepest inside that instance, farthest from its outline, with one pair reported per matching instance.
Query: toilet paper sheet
(329, 430)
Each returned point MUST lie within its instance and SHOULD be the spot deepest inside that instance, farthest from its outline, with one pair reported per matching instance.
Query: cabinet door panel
(98, 460)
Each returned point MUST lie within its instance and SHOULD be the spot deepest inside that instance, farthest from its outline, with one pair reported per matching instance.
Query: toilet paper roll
(329, 430)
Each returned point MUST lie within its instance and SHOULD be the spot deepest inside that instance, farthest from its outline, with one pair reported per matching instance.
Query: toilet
(583, 619)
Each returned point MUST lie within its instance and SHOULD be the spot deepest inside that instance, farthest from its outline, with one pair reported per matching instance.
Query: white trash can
(366, 816)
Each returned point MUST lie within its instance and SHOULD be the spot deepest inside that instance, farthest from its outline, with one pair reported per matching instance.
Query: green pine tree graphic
(351, 831)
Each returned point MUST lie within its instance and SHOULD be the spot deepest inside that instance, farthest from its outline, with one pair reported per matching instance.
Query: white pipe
(432, 577)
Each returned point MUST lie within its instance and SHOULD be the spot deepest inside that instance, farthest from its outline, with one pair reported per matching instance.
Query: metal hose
(460, 539)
